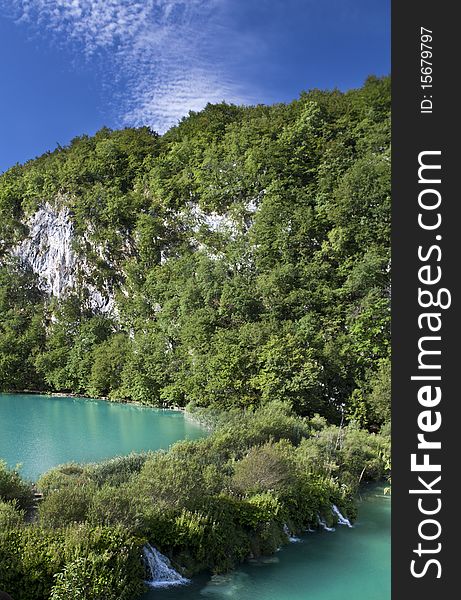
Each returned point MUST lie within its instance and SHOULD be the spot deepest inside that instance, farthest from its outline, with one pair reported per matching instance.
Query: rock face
(67, 261)
(49, 251)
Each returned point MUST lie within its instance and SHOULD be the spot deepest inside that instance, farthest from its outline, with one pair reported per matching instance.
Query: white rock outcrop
(49, 251)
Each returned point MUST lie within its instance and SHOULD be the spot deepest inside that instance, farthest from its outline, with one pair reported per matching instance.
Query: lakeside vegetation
(207, 504)
(245, 254)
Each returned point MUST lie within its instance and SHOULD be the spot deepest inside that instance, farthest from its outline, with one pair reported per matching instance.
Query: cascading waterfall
(163, 575)
(323, 524)
(291, 538)
(341, 519)
(161, 572)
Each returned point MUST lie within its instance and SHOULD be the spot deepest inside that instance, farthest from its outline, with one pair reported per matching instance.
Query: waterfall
(341, 520)
(291, 538)
(323, 524)
(161, 572)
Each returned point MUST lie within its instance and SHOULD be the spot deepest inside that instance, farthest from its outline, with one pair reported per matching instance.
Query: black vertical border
(413, 132)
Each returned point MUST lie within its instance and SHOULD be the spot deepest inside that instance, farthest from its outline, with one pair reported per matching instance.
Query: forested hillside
(240, 258)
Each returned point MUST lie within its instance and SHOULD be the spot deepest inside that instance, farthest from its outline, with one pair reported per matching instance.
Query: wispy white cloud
(160, 57)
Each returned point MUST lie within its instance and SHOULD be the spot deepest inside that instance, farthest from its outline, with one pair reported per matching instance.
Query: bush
(63, 476)
(12, 487)
(264, 469)
(225, 542)
(362, 456)
(117, 470)
(66, 505)
(178, 480)
(350, 454)
(113, 471)
(265, 507)
(10, 561)
(274, 421)
(11, 515)
(29, 558)
(117, 506)
(80, 561)
(96, 576)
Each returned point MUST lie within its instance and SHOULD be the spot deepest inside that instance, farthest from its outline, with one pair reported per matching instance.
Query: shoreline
(103, 398)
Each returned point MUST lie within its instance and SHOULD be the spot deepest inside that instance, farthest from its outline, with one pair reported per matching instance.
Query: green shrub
(117, 470)
(226, 543)
(270, 536)
(11, 572)
(83, 561)
(117, 506)
(12, 487)
(29, 559)
(66, 505)
(361, 455)
(67, 475)
(264, 468)
(265, 507)
(113, 471)
(160, 525)
(350, 454)
(11, 515)
(112, 575)
(178, 480)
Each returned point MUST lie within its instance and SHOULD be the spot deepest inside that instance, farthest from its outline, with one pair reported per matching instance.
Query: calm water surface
(348, 564)
(41, 432)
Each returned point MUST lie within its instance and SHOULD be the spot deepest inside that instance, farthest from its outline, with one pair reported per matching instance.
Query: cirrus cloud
(158, 58)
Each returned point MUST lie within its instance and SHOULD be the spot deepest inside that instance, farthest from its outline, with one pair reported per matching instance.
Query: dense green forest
(239, 266)
(246, 250)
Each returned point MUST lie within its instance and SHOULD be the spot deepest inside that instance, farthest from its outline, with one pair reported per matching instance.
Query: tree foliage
(247, 250)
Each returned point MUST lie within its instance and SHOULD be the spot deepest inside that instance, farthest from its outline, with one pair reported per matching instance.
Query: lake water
(347, 564)
(43, 431)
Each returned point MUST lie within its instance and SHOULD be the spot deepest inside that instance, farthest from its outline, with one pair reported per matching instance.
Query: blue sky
(69, 67)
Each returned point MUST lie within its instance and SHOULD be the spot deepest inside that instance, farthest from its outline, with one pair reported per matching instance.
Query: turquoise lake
(347, 564)
(41, 432)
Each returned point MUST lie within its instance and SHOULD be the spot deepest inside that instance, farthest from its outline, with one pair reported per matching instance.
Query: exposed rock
(49, 250)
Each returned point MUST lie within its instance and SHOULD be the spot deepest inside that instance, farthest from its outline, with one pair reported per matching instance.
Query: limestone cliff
(51, 251)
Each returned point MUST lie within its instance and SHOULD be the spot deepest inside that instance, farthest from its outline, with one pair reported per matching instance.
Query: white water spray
(323, 524)
(291, 538)
(161, 572)
(341, 519)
